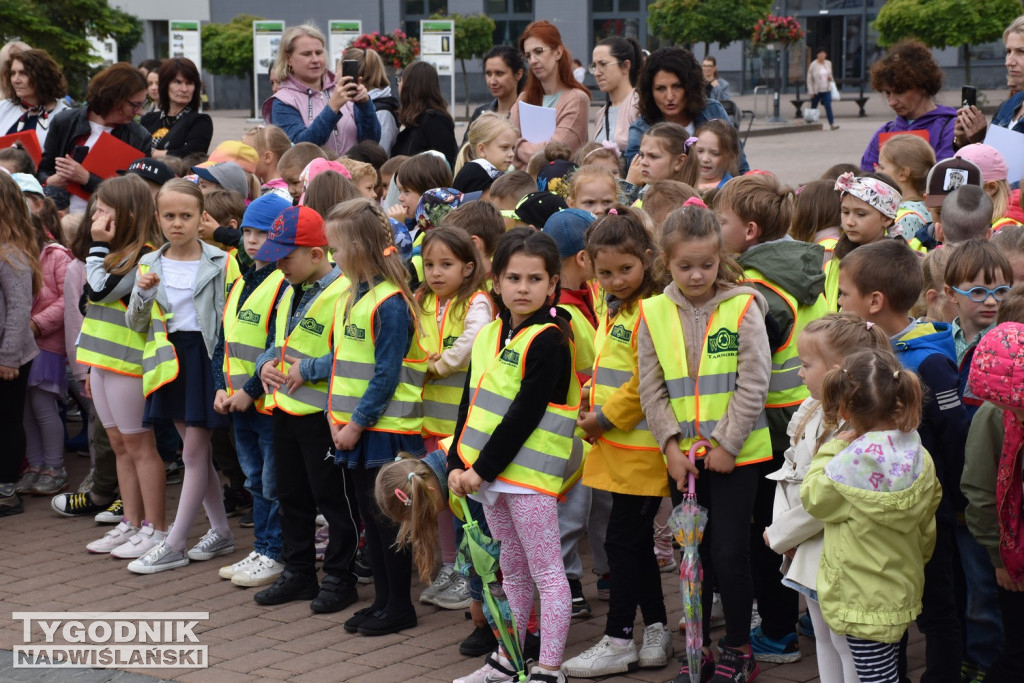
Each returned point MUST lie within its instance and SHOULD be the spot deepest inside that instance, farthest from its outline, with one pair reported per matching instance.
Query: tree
(946, 23)
(687, 22)
(474, 37)
(227, 48)
(61, 27)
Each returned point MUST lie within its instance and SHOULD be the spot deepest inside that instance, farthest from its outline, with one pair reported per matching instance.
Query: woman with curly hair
(671, 88)
(36, 89)
(909, 78)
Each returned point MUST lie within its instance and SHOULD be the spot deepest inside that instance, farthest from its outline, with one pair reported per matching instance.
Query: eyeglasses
(600, 66)
(136, 106)
(537, 52)
(981, 294)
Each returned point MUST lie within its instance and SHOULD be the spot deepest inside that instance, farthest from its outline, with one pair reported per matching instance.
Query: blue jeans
(826, 101)
(254, 442)
(984, 622)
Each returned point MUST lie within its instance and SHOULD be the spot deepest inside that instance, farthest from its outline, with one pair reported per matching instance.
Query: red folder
(28, 140)
(105, 158)
(885, 137)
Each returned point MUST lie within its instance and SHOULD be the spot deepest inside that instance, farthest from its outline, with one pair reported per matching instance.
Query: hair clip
(401, 495)
(399, 458)
(409, 478)
(388, 251)
(896, 374)
(695, 201)
(553, 312)
(690, 142)
(613, 212)
(869, 324)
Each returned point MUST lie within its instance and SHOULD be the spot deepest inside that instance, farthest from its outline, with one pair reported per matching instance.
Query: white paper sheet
(537, 123)
(1011, 145)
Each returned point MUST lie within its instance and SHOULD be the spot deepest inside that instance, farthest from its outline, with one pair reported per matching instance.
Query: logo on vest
(621, 333)
(723, 341)
(354, 332)
(509, 357)
(311, 325)
(249, 316)
(449, 341)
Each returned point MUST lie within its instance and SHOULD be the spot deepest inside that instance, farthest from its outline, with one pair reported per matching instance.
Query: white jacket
(792, 526)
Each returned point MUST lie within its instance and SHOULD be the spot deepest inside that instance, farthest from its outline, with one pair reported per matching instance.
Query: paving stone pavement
(44, 567)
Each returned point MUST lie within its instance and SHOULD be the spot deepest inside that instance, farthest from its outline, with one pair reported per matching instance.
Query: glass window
(629, 5)
(495, 7)
(604, 5)
(522, 6)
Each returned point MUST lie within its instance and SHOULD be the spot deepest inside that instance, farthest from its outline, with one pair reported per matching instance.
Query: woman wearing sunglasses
(115, 97)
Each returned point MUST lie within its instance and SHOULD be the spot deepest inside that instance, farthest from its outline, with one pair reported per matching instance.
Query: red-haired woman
(551, 84)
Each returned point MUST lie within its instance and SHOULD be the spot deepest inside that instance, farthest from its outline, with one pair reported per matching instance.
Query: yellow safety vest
(583, 334)
(311, 338)
(785, 388)
(551, 459)
(831, 293)
(107, 342)
(598, 297)
(700, 405)
(232, 269)
(1001, 223)
(245, 331)
(417, 257)
(442, 395)
(354, 357)
(613, 366)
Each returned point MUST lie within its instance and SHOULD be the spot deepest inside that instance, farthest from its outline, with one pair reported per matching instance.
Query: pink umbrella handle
(693, 461)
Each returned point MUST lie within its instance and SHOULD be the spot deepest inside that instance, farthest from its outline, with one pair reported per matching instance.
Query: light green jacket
(871, 575)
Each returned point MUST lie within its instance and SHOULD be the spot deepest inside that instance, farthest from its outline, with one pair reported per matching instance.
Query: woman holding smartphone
(311, 105)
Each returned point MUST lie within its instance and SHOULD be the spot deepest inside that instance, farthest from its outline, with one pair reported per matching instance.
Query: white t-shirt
(95, 129)
(613, 117)
(179, 280)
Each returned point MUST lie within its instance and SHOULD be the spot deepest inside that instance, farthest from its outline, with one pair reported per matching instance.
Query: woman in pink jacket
(47, 380)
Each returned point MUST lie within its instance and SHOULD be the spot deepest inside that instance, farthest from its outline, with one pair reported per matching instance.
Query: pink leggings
(527, 526)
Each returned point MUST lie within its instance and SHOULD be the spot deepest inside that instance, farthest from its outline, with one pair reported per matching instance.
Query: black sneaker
(356, 620)
(382, 624)
(580, 606)
(334, 596)
(707, 669)
(361, 568)
(236, 501)
(10, 501)
(247, 522)
(75, 505)
(287, 588)
(531, 646)
(479, 643)
(735, 667)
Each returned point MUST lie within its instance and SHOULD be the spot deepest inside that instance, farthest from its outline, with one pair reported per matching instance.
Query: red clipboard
(28, 140)
(108, 156)
(885, 137)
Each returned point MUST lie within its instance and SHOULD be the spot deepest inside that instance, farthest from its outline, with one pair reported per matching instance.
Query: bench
(861, 100)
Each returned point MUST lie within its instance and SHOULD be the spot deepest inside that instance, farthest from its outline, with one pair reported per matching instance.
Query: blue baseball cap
(296, 226)
(567, 227)
(263, 211)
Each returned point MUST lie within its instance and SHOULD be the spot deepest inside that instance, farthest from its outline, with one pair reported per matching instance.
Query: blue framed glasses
(981, 294)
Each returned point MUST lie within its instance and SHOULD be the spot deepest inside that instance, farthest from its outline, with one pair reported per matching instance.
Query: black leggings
(1010, 665)
(12, 412)
(635, 577)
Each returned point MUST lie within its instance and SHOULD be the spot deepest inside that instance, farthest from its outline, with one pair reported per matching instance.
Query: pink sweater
(48, 307)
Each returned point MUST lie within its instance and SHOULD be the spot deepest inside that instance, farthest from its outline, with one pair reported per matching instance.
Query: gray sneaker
(52, 480)
(86, 485)
(441, 581)
(211, 545)
(28, 480)
(455, 595)
(160, 558)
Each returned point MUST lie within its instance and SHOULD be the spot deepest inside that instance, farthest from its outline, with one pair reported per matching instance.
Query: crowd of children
(550, 344)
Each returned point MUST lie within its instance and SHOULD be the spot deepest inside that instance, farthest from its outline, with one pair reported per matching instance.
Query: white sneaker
(262, 572)
(496, 669)
(657, 646)
(455, 595)
(441, 581)
(211, 545)
(755, 617)
(158, 559)
(603, 659)
(543, 675)
(139, 544)
(229, 571)
(113, 538)
(321, 520)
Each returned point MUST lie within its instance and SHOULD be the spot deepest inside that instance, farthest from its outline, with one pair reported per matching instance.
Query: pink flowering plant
(397, 49)
(785, 31)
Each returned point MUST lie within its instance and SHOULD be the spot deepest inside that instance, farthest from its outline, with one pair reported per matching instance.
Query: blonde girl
(869, 205)
(178, 301)
(124, 229)
(20, 280)
(995, 174)
(717, 151)
(662, 156)
(593, 189)
(599, 155)
(933, 304)
(374, 408)
(1010, 241)
(817, 213)
(270, 143)
(624, 459)
(874, 488)
(793, 533)
(490, 145)
(907, 160)
(721, 325)
(364, 176)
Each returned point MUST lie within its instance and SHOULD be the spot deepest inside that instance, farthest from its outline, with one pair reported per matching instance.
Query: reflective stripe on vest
(442, 395)
(551, 459)
(785, 388)
(107, 342)
(613, 367)
(700, 405)
(311, 338)
(245, 331)
(354, 359)
(159, 359)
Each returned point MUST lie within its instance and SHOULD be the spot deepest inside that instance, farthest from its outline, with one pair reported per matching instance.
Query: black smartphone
(350, 68)
(968, 96)
(79, 153)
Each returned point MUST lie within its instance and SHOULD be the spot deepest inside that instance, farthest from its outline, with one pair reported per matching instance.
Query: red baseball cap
(297, 226)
